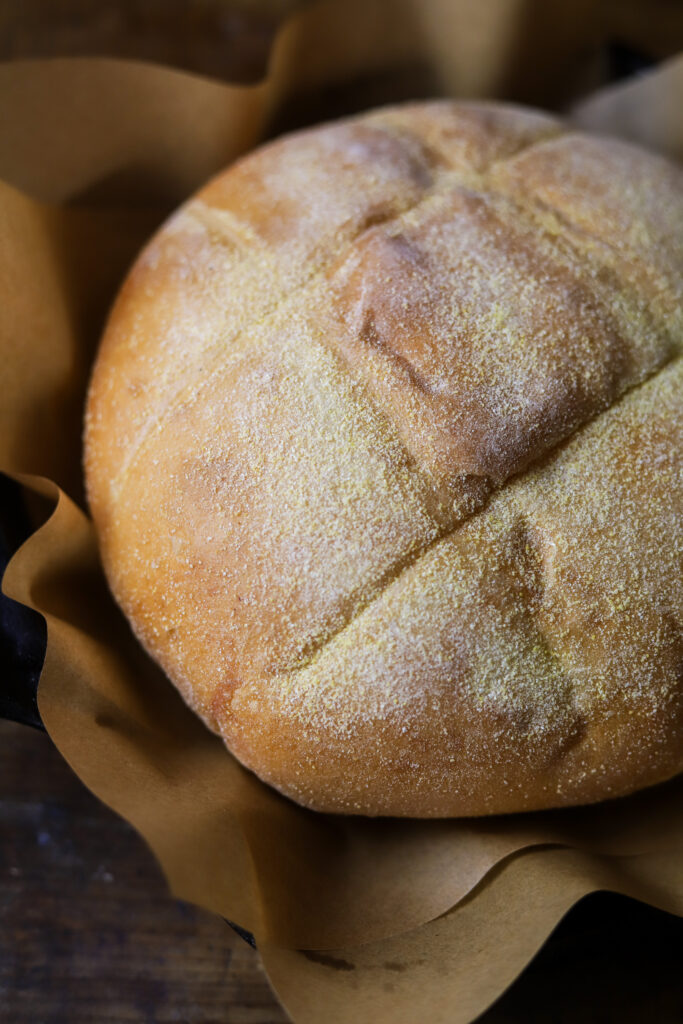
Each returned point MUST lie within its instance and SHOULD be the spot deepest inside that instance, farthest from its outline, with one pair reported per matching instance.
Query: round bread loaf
(383, 452)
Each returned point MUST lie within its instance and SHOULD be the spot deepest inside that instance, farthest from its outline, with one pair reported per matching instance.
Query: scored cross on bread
(383, 452)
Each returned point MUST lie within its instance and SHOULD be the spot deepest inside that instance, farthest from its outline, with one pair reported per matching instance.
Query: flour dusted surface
(383, 449)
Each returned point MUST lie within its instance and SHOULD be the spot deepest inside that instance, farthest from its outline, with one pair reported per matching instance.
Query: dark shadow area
(611, 960)
(23, 633)
(409, 82)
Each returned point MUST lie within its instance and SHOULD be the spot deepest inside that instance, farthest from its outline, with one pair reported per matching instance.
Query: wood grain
(88, 930)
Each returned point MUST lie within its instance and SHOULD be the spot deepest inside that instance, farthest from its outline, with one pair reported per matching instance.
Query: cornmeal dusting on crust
(383, 450)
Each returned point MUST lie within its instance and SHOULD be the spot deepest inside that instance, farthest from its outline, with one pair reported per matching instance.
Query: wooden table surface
(90, 935)
(88, 930)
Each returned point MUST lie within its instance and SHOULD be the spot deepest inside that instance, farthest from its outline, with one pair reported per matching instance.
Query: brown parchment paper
(646, 110)
(450, 970)
(117, 144)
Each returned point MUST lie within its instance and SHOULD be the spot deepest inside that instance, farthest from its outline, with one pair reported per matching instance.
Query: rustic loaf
(383, 452)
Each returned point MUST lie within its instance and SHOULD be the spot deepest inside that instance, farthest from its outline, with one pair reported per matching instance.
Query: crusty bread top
(306, 428)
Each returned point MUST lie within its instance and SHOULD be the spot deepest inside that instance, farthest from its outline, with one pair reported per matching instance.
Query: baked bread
(383, 452)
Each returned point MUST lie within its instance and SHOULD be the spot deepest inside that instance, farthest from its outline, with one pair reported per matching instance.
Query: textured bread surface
(383, 449)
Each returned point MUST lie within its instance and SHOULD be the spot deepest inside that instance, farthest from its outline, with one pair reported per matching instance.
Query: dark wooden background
(88, 931)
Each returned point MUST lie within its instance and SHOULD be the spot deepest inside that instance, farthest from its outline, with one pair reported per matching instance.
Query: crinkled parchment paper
(418, 919)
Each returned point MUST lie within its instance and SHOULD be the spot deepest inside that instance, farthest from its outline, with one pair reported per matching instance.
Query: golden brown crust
(383, 449)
